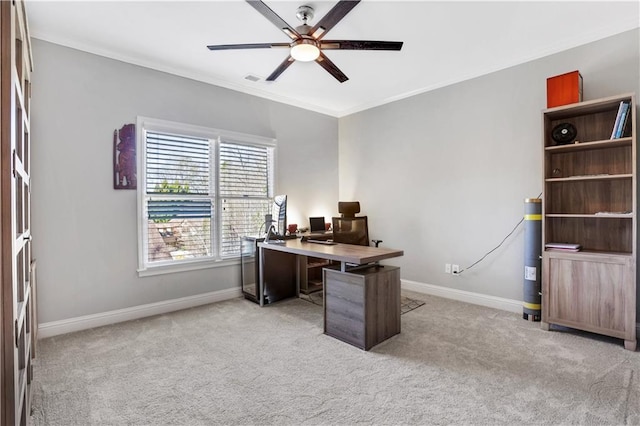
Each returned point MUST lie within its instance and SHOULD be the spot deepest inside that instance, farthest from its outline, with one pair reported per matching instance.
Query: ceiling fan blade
(283, 66)
(247, 46)
(274, 18)
(334, 16)
(331, 68)
(361, 45)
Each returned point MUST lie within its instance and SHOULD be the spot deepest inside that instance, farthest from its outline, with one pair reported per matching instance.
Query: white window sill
(187, 266)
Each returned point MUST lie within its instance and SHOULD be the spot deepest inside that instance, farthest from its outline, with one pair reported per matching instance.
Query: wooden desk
(361, 300)
(343, 253)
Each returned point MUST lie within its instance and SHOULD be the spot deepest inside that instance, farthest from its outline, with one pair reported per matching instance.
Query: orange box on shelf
(564, 89)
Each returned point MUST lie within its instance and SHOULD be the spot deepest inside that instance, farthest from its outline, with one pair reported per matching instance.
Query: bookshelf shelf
(591, 253)
(590, 199)
(595, 216)
(589, 177)
(601, 144)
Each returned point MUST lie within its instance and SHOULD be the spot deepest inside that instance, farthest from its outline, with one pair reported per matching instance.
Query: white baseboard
(509, 305)
(55, 328)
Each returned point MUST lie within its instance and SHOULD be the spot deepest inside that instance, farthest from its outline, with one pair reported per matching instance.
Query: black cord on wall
(496, 247)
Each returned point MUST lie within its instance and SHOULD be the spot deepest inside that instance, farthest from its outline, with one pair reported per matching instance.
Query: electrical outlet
(455, 269)
(447, 268)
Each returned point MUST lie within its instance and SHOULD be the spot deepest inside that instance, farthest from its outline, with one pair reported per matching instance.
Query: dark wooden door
(18, 328)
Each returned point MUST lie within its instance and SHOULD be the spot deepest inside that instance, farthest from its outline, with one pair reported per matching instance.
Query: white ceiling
(444, 42)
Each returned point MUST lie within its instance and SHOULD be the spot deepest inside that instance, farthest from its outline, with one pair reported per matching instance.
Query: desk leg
(298, 270)
(261, 274)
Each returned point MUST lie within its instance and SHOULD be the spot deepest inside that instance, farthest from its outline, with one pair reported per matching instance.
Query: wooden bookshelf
(590, 199)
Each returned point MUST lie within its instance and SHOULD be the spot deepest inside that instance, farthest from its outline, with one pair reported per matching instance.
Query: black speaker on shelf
(564, 133)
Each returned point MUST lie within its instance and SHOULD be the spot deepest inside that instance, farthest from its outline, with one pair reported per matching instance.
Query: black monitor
(280, 214)
(316, 224)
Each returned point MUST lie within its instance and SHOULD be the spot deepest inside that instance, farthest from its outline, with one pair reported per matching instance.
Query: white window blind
(177, 160)
(179, 202)
(245, 189)
(203, 191)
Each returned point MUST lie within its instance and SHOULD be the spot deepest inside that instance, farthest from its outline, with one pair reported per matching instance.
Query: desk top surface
(340, 252)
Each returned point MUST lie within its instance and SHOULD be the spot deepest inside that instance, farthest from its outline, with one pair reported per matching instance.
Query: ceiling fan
(307, 44)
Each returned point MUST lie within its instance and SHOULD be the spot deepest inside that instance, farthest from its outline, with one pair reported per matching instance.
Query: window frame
(215, 137)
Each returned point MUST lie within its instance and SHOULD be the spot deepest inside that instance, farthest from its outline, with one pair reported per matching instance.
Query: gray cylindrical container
(532, 262)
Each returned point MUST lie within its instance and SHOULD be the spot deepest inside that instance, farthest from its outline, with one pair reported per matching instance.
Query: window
(199, 192)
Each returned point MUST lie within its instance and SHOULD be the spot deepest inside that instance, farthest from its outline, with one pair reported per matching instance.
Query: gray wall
(86, 231)
(443, 175)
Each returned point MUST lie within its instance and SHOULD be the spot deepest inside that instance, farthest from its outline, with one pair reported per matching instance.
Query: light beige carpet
(234, 363)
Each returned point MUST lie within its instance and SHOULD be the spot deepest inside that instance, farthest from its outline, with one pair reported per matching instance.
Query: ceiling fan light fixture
(305, 51)
(306, 44)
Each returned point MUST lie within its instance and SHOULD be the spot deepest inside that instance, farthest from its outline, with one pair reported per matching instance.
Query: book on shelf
(621, 117)
(573, 247)
(615, 124)
(623, 121)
